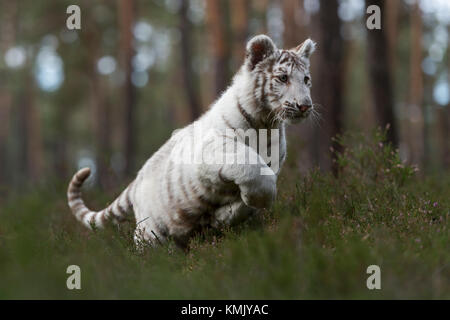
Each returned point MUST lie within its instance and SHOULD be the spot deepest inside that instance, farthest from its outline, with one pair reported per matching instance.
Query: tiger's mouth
(297, 115)
(302, 114)
(296, 112)
(289, 113)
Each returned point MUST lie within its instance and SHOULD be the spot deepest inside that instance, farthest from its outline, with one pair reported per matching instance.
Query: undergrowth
(316, 242)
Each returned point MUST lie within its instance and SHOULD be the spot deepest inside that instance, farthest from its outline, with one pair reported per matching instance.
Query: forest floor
(316, 242)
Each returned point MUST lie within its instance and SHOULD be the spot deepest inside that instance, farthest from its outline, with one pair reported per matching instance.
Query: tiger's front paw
(260, 192)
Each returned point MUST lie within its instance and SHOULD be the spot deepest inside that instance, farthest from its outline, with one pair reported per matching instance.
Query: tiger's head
(281, 78)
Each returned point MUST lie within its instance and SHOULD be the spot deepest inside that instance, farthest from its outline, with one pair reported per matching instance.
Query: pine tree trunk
(59, 146)
(294, 33)
(260, 10)
(417, 113)
(380, 76)
(34, 139)
(239, 21)
(30, 145)
(100, 116)
(444, 116)
(294, 30)
(189, 77)
(446, 124)
(8, 30)
(220, 51)
(392, 13)
(329, 85)
(5, 110)
(126, 20)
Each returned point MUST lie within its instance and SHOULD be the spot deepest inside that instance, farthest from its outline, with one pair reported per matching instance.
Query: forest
(368, 183)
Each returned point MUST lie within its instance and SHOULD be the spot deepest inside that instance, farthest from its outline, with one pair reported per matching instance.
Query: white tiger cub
(172, 198)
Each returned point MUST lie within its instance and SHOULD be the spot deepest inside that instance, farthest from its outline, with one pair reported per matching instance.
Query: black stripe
(246, 116)
(283, 53)
(169, 181)
(127, 192)
(183, 187)
(77, 207)
(210, 206)
(271, 63)
(263, 91)
(76, 183)
(73, 196)
(185, 191)
(121, 209)
(186, 217)
(227, 123)
(174, 202)
(103, 218)
(82, 214)
(284, 60)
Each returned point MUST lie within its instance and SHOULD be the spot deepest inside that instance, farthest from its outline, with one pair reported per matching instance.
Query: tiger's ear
(305, 49)
(258, 48)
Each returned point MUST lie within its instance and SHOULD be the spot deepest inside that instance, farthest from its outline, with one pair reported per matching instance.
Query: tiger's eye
(307, 79)
(283, 78)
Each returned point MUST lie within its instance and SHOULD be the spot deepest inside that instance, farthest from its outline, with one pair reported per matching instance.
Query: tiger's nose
(303, 107)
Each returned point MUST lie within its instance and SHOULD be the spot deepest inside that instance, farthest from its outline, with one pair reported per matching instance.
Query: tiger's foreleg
(256, 180)
(231, 214)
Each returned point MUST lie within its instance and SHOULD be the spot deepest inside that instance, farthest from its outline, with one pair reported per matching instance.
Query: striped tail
(115, 212)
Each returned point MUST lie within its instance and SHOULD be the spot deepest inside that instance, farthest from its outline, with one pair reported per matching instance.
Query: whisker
(316, 117)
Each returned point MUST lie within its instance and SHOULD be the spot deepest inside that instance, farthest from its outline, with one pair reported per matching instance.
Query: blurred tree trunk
(380, 76)
(294, 31)
(8, 29)
(239, 22)
(217, 26)
(30, 144)
(444, 116)
(189, 77)
(329, 85)
(59, 145)
(34, 145)
(392, 14)
(418, 129)
(446, 123)
(260, 10)
(5, 110)
(126, 21)
(101, 117)
(102, 114)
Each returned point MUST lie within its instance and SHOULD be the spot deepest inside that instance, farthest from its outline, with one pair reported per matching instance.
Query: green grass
(316, 242)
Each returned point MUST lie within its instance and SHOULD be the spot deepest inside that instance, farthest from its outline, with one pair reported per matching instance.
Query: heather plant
(315, 242)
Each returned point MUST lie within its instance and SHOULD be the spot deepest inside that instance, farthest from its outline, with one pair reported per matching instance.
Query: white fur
(167, 196)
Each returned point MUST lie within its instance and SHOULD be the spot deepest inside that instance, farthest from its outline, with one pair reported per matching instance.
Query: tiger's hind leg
(146, 234)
